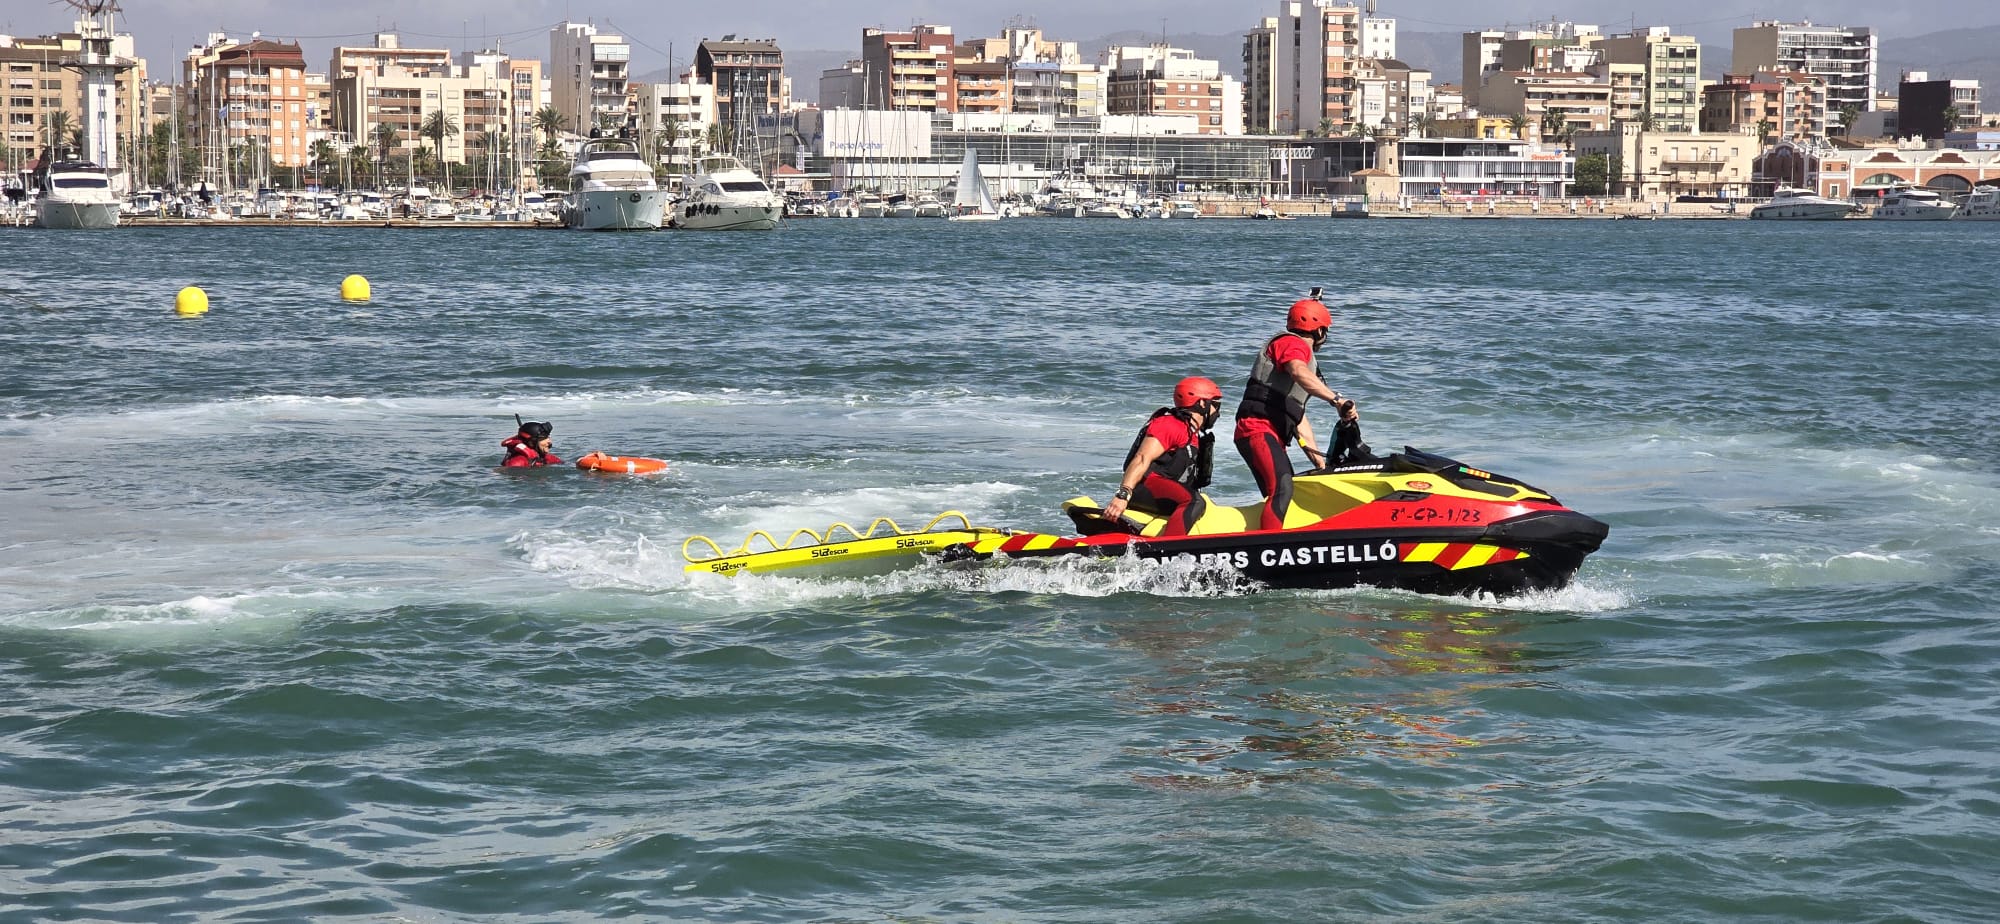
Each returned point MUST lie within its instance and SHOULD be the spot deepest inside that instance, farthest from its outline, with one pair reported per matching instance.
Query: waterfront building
(1672, 74)
(477, 99)
(1844, 57)
(909, 70)
(35, 83)
(1157, 80)
(1930, 108)
(249, 103)
(1653, 165)
(1456, 168)
(1627, 83)
(1860, 170)
(1492, 128)
(1771, 105)
(588, 73)
(1447, 101)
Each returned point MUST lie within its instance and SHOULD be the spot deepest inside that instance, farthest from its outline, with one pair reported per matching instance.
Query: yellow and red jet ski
(1412, 520)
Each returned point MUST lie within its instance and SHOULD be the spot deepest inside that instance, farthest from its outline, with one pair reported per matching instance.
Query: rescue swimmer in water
(529, 448)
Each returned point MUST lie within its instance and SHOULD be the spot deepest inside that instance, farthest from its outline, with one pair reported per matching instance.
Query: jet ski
(1412, 520)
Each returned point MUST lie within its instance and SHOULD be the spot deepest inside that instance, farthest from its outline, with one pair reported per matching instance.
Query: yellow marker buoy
(354, 288)
(191, 301)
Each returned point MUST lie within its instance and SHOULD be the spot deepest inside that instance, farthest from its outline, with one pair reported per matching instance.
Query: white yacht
(929, 206)
(1982, 205)
(724, 195)
(1914, 205)
(77, 194)
(1183, 209)
(1791, 204)
(612, 189)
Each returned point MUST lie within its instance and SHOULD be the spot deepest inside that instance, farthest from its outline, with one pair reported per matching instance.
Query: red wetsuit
(1257, 437)
(1168, 487)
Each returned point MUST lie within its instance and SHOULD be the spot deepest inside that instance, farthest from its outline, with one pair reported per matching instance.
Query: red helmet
(1308, 314)
(1194, 390)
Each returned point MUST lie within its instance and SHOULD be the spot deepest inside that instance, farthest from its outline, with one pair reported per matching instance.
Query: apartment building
(1768, 105)
(1583, 101)
(675, 119)
(1672, 74)
(1844, 57)
(249, 96)
(748, 77)
(909, 70)
(1163, 81)
(1260, 91)
(1563, 47)
(588, 73)
(35, 82)
(843, 87)
(388, 51)
(1378, 38)
(1390, 94)
(1312, 66)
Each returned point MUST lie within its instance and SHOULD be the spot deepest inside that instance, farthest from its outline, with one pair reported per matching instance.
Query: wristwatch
(1124, 493)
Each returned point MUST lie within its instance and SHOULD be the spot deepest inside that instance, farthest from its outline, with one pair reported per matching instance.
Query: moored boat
(613, 189)
(1791, 204)
(724, 195)
(1914, 205)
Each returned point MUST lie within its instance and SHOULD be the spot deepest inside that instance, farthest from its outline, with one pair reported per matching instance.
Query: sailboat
(972, 202)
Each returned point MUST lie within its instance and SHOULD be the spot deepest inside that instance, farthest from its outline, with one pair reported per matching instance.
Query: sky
(165, 29)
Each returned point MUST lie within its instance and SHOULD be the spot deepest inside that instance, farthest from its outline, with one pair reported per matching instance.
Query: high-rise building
(909, 70)
(1844, 57)
(1378, 38)
(1313, 56)
(248, 99)
(587, 78)
(748, 77)
(388, 51)
(1673, 74)
(1260, 92)
(1159, 80)
(842, 87)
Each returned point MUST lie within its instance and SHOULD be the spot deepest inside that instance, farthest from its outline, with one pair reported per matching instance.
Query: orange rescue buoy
(623, 465)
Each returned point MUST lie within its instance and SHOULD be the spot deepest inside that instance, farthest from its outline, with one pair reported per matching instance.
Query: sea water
(279, 642)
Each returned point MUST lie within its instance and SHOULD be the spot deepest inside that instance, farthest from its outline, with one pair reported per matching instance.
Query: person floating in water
(530, 447)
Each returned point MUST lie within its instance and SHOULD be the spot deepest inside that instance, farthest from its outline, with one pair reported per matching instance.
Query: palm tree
(385, 136)
(323, 152)
(1518, 124)
(438, 126)
(1326, 128)
(549, 121)
(1554, 124)
(1647, 120)
(1424, 125)
(1950, 117)
(1764, 131)
(670, 136)
(1849, 114)
(58, 126)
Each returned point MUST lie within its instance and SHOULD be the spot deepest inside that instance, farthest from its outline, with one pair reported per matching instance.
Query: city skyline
(164, 30)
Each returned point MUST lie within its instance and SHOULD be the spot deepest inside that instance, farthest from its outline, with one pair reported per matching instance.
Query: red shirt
(1172, 432)
(1281, 350)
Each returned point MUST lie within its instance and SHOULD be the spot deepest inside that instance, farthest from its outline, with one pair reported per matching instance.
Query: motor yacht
(724, 195)
(1914, 205)
(1982, 205)
(77, 194)
(612, 189)
(1791, 204)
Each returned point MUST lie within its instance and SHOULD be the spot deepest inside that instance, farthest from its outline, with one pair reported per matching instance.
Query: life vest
(1274, 395)
(1192, 465)
(524, 454)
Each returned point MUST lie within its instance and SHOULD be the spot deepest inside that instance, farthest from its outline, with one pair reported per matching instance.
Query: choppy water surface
(277, 642)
